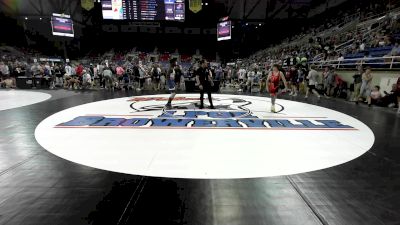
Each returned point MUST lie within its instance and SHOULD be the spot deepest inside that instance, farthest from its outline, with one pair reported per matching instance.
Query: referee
(205, 82)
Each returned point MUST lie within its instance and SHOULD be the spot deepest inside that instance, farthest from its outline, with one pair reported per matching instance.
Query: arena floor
(287, 173)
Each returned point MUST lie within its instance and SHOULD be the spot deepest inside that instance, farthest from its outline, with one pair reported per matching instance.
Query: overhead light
(247, 24)
(259, 24)
(26, 18)
(206, 3)
(40, 18)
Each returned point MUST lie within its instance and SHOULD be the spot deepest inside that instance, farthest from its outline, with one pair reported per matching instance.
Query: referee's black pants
(206, 89)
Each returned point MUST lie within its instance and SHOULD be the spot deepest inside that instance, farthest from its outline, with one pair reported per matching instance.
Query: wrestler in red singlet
(273, 80)
(273, 83)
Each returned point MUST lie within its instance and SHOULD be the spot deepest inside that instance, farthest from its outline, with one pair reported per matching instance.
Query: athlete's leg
(295, 90)
(171, 97)
(273, 100)
(172, 88)
(201, 99)
(210, 99)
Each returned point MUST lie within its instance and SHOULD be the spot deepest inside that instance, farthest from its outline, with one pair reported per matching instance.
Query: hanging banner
(195, 5)
(87, 4)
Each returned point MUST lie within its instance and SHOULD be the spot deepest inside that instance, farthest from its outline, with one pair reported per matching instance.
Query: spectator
(48, 76)
(395, 50)
(120, 72)
(292, 77)
(250, 78)
(357, 83)
(108, 77)
(313, 78)
(365, 89)
(68, 70)
(8, 82)
(4, 70)
(375, 97)
(59, 76)
(100, 68)
(156, 76)
(79, 70)
(362, 47)
(329, 81)
(86, 80)
(390, 99)
(242, 74)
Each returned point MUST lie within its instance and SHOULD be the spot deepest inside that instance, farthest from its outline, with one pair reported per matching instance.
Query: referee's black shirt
(203, 74)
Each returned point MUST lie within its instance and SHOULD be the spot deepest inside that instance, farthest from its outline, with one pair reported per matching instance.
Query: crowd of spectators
(334, 40)
(101, 72)
(305, 80)
(241, 77)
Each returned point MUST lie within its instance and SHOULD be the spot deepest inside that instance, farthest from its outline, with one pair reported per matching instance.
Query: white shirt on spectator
(313, 77)
(242, 74)
(4, 70)
(48, 68)
(251, 75)
(68, 70)
(107, 73)
(87, 78)
(362, 47)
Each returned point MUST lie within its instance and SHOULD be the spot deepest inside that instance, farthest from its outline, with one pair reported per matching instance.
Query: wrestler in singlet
(273, 82)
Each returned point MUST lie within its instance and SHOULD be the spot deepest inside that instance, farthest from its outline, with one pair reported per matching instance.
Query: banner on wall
(87, 4)
(195, 5)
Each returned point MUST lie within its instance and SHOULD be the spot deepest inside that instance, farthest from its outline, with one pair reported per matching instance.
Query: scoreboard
(62, 25)
(224, 29)
(157, 10)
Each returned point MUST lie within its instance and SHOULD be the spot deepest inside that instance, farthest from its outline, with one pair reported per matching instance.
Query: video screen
(224, 30)
(157, 10)
(62, 25)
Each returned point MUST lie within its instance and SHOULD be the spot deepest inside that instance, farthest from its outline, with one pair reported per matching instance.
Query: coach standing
(205, 82)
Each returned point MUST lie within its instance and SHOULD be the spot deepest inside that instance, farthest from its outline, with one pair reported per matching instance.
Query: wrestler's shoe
(168, 106)
(273, 109)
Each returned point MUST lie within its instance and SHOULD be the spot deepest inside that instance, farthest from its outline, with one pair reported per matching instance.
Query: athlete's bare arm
(268, 79)
(198, 82)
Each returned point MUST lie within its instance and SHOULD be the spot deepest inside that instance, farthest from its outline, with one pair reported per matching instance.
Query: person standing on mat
(273, 81)
(312, 82)
(174, 69)
(205, 82)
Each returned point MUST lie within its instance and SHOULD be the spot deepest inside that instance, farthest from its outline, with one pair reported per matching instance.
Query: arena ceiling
(276, 9)
(237, 9)
(40, 8)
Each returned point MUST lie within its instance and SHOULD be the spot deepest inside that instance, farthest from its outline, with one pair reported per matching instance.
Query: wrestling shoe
(168, 106)
(273, 109)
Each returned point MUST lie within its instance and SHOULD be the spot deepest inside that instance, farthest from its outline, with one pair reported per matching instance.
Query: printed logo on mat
(234, 113)
(240, 138)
